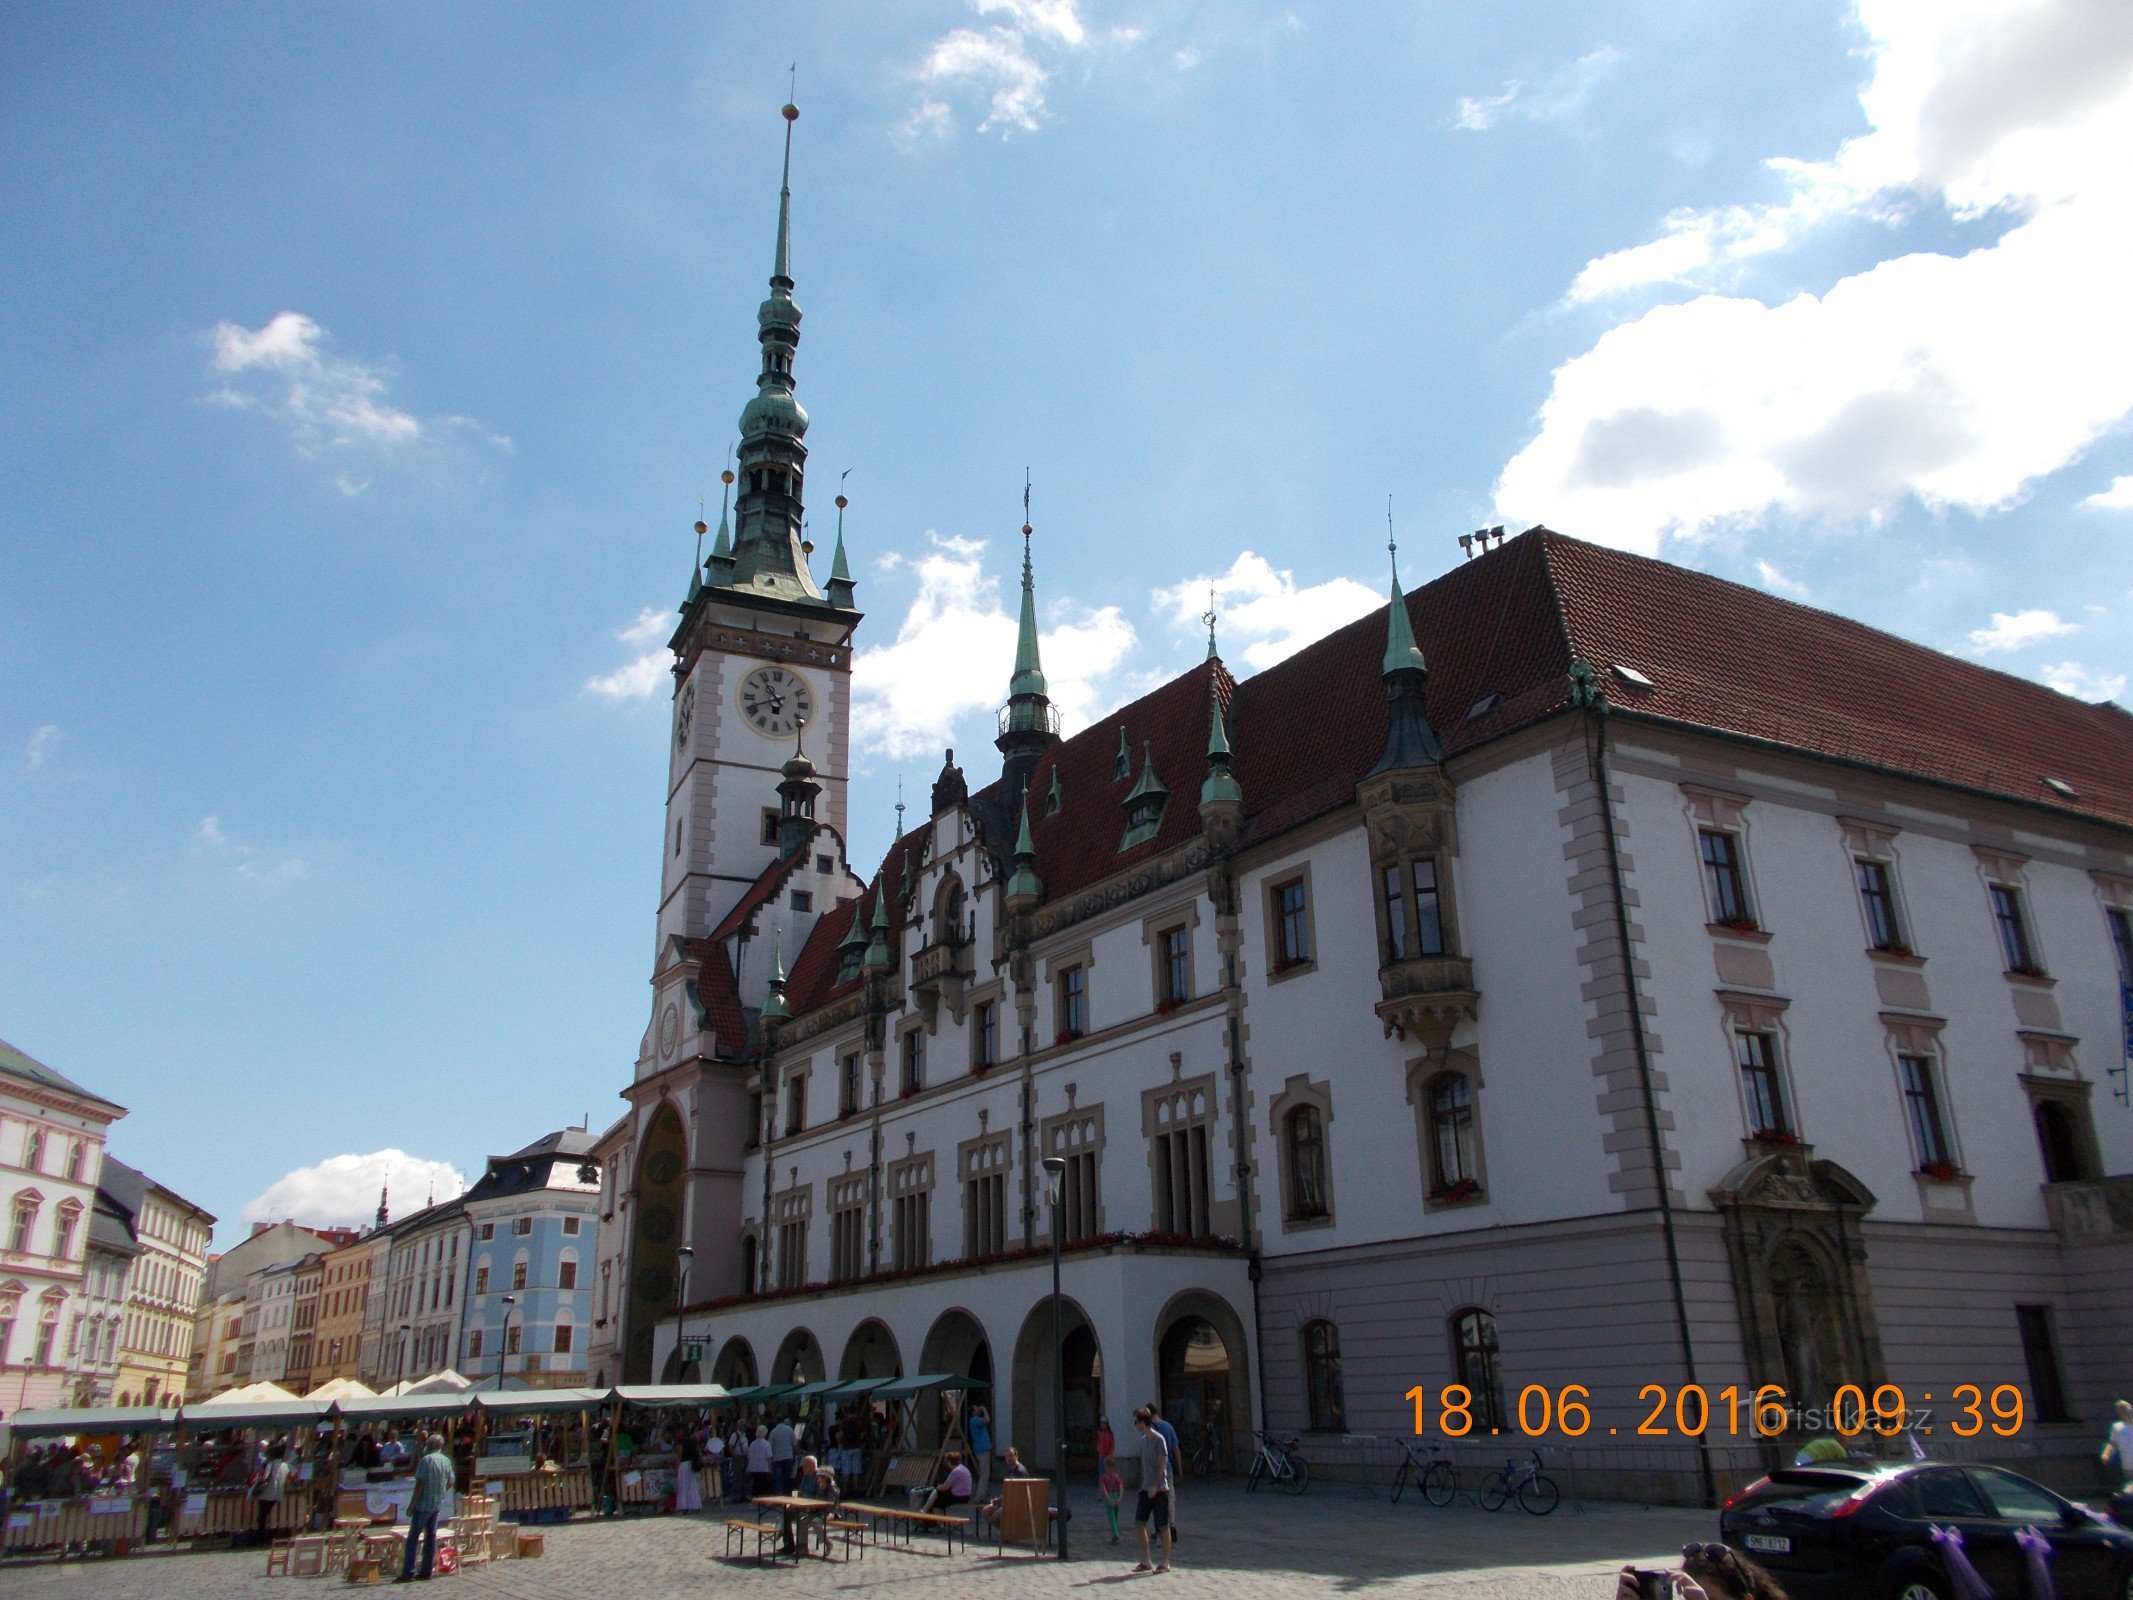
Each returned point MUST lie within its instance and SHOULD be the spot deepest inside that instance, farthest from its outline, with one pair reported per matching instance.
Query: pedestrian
(1113, 1489)
(688, 1493)
(979, 1429)
(994, 1511)
(1177, 1463)
(433, 1477)
(736, 1460)
(1151, 1512)
(784, 1446)
(267, 1492)
(954, 1489)
(1106, 1443)
(759, 1463)
(2118, 1448)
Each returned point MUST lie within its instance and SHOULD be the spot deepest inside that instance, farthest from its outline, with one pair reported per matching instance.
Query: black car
(1844, 1532)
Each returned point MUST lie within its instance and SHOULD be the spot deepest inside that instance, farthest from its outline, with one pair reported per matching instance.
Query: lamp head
(1054, 1176)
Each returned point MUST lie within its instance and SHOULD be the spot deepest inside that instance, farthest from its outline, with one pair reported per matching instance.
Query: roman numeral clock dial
(775, 700)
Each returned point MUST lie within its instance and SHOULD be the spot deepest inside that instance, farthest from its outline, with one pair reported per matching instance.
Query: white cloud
(246, 862)
(1778, 583)
(342, 1191)
(955, 649)
(2019, 630)
(39, 750)
(1263, 607)
(637, 678)
(2119, 497)
(1561, 94)
(328, 403)
(1955, 380)
(1006, 66)
(2071, 677)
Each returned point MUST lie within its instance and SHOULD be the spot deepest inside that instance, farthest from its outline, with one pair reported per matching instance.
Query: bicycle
(1537, 1494)
(1433, 1474)
(1280, 1460)
(1206, 1460)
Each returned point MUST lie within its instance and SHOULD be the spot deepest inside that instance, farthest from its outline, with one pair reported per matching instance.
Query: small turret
(1144, 802)
(1025, 890)
(797, 790)
(774, 1008)
(878, 959)
(839, 590)
(1029, 723)
(1221, 796)
(718, 571)
(1410, 741)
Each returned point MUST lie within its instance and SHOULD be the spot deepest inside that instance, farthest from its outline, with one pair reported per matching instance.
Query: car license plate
(1768, 1543)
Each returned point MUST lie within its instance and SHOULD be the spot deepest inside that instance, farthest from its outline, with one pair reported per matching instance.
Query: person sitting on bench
(954, 1489)
(995, 1509)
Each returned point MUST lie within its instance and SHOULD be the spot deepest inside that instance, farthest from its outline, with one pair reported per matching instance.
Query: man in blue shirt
(433, 1480)
(1177, 1460)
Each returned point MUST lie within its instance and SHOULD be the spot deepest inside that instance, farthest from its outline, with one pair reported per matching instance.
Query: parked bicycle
(1206, 1458)
(1537, 1493)
(1280, 1460)
(1432, 1473)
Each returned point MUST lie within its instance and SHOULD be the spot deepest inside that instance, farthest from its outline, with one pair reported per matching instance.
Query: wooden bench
(850, 1530)
(907, 1523)
(766, 1535)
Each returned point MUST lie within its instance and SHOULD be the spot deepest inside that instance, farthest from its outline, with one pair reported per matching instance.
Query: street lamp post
(684, 1258)
(1054, 1177)
(503, 1350)
(406, 1330)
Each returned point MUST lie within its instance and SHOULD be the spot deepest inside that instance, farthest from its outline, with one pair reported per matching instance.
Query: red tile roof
(767, 883)
(1507, 625)
(720, 995)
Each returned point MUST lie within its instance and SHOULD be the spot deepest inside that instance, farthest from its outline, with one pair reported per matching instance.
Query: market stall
(219, 1450)
(382, 1492)
(533, 1462)
(109, 1518)
(644, 1475)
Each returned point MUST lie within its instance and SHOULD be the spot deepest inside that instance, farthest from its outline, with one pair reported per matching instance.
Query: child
(1113, 1489)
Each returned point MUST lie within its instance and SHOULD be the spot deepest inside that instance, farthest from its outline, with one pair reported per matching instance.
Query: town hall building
(1582, 971)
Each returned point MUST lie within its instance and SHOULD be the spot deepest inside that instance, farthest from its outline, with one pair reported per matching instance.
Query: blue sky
(365, 367)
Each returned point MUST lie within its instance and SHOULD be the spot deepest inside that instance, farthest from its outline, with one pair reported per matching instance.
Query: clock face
(775, 700)
(682, 712)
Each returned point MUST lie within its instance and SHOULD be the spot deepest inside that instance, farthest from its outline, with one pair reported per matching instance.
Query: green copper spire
(877, 958)
(1025, 888)
(839, 590)
(774, 1008)
(1213, 653)
(781, 268)
(1029, 670)
(1401, 655)
(1221, 789)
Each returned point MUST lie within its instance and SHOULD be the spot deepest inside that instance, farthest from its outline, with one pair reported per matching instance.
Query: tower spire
(781, 265)
(1410, 741)
(1213, 653)
(1028, 725)
(1029, 669)
(840, 584)
(1401, 653)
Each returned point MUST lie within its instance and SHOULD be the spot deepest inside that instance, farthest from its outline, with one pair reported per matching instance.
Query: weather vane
(1208, 617)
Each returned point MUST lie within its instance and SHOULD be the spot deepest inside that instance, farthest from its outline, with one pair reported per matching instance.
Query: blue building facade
(535, 1218)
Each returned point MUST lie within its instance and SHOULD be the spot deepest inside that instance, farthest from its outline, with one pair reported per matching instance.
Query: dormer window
(848, 958)
(1144, 805)
(1053, 799)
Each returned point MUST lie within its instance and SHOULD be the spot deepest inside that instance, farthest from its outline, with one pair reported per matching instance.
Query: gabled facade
(424, 1303)
(166, 1275)
(535, 1217)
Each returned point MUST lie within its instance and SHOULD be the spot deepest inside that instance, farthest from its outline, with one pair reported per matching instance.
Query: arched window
(1451, 1135)
(63, 1234)
(1306, 1130)
(1322, 1377)
(948, 911)
(1474, 1357)
(33, 1151)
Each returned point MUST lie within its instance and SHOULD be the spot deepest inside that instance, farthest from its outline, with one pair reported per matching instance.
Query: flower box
(1940, 1171)
(1783, 1136)
(1741, 925)
(1067, 1036)
(1451, 1194)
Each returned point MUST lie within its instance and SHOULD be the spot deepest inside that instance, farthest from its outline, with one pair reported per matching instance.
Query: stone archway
(870, 1353)
(799, 1359)
(735, 1366)
(956, 1343)
(656, 1232)
(1203, 1363)
(1032, 1394)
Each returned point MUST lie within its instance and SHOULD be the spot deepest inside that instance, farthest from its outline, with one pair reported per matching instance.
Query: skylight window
(1482, 707)
(2060, 786)
(1631, 676)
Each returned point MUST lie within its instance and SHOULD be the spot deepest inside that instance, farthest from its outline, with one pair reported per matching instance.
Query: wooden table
(797, 1511)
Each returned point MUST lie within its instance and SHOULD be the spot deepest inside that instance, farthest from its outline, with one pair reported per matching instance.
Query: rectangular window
(566, 1275)
(1723, 878)
(985, 1035)
(770, 825)
(2007, 914)
(792, 1254)
(1877, 897)
(848, 1071)
(1292, 925)
(1177, 966)
(985, 1215)
(1429, 914)
(752, 1135)
(1181, 1181)
(514, 1337)
(824, 865)
(518, 1274)
(1395, 895)
(522, 1226)
(1921, 1101)
(474, 1343)
(803, 900)
(2121, 921)
(570, 1224)
(914, 1061)
(846, 1242)
(1759, 1083)
(563, 1332)
(481, 1280)
(1071, 1003)
(913, 1223)
(795, 1104)
(486, 1231)
(2040, 1350)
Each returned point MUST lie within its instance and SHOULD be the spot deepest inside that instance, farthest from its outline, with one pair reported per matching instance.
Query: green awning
(762, 1392)
(853, 1388)
(396, 1407)
(808, 1391)
(928, 1383)
(671, 1394)
(538, 1402)
(209, 1417)
(92, 1419)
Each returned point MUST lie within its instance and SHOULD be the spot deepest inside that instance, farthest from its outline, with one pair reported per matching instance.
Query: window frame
(1725, 877)
(2011, 925)
(984, 1033)
(1299, 1093)
(1070, 1002)
(1478, 1362)
(911, 1060)
(1918, 1078)
(851, 1081)
(1280, 962)
(1887, 932)
(1759, 1066)
(1325, 1398)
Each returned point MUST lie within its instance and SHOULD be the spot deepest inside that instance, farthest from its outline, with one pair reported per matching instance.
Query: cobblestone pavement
(1335, 1540)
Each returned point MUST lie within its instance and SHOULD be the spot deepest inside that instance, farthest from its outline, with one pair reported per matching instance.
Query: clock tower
(763, 657)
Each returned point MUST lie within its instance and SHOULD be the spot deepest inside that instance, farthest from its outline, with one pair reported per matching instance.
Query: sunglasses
(1715, 1554)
